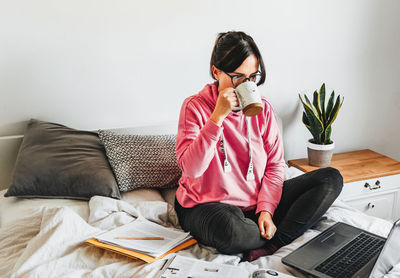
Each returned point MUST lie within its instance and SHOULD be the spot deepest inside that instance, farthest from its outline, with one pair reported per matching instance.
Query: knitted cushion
(142, 161)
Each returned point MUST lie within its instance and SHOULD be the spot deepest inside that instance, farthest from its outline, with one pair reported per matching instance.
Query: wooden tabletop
(356, 165)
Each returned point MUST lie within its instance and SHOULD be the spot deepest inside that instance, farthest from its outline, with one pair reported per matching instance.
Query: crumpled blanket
(49, 242)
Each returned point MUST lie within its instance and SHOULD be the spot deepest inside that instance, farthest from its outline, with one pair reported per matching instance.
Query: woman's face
(247, 68)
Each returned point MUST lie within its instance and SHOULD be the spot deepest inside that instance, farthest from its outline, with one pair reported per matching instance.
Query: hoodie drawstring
(227, 165)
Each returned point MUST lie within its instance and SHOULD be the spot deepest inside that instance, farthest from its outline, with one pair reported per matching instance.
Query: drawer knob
(376, 186)
(371, 205)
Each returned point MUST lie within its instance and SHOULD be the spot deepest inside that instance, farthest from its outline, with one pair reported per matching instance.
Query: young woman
(232, 194)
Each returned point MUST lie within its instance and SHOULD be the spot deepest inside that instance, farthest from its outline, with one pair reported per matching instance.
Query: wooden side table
(371, 181)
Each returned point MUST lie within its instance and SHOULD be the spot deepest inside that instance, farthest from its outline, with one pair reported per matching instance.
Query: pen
(143, 237)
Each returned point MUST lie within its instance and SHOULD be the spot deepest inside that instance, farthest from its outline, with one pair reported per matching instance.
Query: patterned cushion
(142, 161)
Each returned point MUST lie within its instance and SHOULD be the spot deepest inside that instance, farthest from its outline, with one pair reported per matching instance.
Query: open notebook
(184, 267)
(145, 249)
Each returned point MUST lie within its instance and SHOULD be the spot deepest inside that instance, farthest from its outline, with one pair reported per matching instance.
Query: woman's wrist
(217, 119)
(267, 213)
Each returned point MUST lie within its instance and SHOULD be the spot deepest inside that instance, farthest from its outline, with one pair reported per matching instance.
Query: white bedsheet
(49, 242)
(12, 208)
(46, 238)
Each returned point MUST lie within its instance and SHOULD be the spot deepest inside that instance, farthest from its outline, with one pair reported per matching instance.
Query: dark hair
(231, 49)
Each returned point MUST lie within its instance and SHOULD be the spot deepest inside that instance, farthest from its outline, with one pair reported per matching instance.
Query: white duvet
(49, 242)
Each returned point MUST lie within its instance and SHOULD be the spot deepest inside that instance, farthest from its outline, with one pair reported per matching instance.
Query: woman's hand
(266, 225)
(226, 101)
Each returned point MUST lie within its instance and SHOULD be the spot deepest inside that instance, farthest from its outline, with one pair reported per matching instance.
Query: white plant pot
(319, 155)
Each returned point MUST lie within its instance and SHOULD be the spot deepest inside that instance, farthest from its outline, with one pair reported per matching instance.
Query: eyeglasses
(240, 78)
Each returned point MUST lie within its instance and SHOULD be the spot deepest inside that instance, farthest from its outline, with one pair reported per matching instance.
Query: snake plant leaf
(321, 102)
(316, 127)
(308, 101)
(329, 106)
(305, 120)
(312, 108)
(316, 104)
(305, 104)
(309, 105)
(334, 111)
(327, 139)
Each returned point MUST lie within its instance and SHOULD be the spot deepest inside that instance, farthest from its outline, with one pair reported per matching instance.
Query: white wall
(102, 64)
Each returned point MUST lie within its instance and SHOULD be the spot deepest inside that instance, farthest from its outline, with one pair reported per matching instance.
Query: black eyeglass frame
(258, 73)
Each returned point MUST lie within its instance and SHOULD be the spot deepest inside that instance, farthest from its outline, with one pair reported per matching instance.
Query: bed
(44, 237)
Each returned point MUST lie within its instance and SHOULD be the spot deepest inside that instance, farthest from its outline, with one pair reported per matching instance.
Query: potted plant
(318, 118)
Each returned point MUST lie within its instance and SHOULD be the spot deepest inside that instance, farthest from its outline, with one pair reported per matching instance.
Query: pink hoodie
(201, 158)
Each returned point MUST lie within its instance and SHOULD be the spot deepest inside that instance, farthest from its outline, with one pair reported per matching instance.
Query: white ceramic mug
(249, 98)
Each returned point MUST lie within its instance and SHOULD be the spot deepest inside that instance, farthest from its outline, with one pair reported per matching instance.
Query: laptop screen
(390, 255)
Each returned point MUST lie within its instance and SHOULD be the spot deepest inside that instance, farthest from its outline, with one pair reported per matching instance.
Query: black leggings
(230, 230)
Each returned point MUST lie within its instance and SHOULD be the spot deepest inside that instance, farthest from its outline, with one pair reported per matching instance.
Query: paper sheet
(144, 228)
(184, 267)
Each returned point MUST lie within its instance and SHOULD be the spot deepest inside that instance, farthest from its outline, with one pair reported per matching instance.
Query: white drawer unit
(352, 190)
(371, 181)
(382, 206)
(378, 197)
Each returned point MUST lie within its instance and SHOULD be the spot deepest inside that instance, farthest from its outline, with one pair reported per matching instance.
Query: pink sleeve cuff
(267, 207)
(212, 130)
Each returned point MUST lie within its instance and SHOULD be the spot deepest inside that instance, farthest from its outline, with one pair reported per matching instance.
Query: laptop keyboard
(351, 257)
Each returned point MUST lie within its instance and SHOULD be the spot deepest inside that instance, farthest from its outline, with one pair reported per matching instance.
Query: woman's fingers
(229, 98)
(271, 233)
(233, 100)
(262, 229)
(267, 229)
(268, 232)
(266, 225)
(225, 102)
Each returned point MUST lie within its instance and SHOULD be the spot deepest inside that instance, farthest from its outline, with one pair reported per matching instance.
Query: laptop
(344, 251)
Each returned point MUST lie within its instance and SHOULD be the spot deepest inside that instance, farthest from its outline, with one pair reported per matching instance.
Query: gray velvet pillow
(55, 161)
(142, 161)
